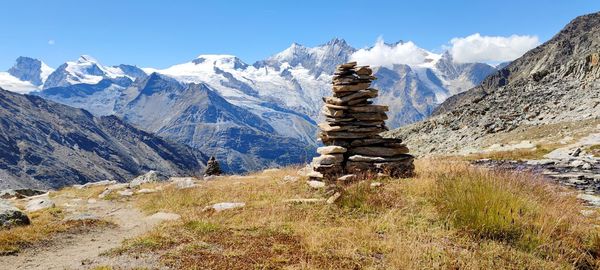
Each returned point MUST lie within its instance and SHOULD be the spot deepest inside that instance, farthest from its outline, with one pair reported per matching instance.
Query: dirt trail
(81, 251)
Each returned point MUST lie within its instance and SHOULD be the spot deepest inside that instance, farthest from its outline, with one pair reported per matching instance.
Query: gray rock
(541, 162)
(334, 198)
(316, 184)
(39, 204)
(589, 198)
(20, 193)
(347, 178)
(126, 193)
(95, 184)
(149, 177)
(184, 183)
(105, 193)
(328, 159)
(11, 216)
(225, 206)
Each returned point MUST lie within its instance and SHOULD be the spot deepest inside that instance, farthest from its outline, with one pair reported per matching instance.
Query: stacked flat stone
(351, 131)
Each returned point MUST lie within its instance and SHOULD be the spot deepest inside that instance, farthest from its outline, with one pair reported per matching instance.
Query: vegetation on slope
(451, 215)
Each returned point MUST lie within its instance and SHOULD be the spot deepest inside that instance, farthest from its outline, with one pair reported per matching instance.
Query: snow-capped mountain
(30, 70)
(26, 75)
(283, 93)
(87, 70)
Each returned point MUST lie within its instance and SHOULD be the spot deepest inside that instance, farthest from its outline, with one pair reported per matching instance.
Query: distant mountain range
(44, 144)
(249, 116)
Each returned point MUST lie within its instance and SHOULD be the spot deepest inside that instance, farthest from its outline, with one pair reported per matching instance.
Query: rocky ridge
(553, 83)
(44, 144)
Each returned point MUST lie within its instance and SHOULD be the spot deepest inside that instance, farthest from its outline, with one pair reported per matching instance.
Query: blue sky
(162, 33)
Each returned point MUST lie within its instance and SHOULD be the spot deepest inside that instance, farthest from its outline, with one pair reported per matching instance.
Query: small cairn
(212, 167)
(353, 147)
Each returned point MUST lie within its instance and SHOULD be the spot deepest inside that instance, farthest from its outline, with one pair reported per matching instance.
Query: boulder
(149, 177)
(104, 193)
(95, 184)
(20, 193)
(334, 198)
(184, 183)
(126, 193)
(39, 204)
(218, 207)
(316, 184)
(347, 178)
(11, 216)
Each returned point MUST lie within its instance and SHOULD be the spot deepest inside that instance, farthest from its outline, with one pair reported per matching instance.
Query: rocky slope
(45, 144)
(196, 115)
(553, 83)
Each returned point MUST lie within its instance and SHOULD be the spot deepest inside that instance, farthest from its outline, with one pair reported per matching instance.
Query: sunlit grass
(450, 216)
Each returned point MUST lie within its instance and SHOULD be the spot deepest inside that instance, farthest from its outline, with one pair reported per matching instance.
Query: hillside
(44, 144)
(553, 84)
(450, 215)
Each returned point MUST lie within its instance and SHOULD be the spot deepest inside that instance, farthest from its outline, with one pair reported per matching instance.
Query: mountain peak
(337, 41)
(30, 70)
(86, 59)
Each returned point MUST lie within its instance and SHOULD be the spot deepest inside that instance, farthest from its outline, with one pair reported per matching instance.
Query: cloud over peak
(478, 48)
(386, 55)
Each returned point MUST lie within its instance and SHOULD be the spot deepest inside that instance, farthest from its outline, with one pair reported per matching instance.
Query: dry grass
(45, 225)
(594, 150)
(450, 216)
(518, 154)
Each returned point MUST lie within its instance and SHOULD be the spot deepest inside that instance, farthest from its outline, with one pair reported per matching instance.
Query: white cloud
(51, 42)
(385, 55)
(478, 48)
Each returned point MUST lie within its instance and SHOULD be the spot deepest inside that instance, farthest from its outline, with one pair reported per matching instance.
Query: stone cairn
(353, 147)
(212, 167)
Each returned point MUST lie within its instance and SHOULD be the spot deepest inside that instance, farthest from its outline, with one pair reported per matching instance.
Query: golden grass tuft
(518, 154)
(450, 216)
